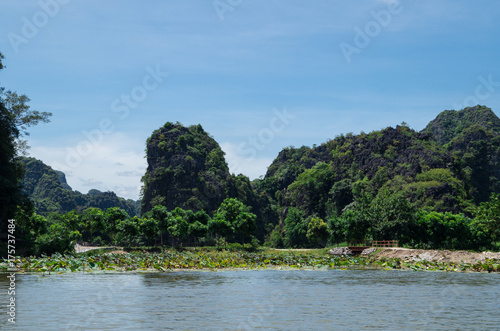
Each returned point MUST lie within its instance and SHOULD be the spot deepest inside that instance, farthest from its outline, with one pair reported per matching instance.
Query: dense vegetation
(10, 170)
(390, 184)
(187, 169)
(421, 188)
(209, 259)
(438, 188)
(472, 135)
(232, 222)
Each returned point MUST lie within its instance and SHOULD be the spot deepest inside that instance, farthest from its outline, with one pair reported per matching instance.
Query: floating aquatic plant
(215, 260)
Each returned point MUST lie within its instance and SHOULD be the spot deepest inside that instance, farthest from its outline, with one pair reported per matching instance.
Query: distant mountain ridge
(48, 190)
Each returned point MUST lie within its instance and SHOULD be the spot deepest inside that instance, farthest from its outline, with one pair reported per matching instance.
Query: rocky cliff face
(186, 168)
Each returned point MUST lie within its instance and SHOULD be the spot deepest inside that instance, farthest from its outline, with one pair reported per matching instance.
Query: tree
(488, 214)
(351, 225)
(318, 231)
(113, 217)
(29, 227)
(58, 239)
(198, 224)
(10, 170)
(241, 220)
(392, 216)
(15, 117)
(93, 221)
(310, 190)
(341, 195)
(161, 215)
(295, 229)
(221, 227)
(244, 225)
(23, 116)
(149, 227)
(129, 228)
(178, 226)
(69, 220)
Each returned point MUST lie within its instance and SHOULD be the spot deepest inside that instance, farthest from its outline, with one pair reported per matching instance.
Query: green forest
(438, 188)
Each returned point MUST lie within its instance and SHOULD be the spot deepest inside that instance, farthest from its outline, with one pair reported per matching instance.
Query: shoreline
(119, 261)
(436, 255)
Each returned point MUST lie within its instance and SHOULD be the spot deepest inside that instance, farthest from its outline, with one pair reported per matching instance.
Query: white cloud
(115, 164)
(129, 173)
(251, 167)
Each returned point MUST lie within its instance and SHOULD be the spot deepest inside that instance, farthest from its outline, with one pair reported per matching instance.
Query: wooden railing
(385, 243)
(374, 243)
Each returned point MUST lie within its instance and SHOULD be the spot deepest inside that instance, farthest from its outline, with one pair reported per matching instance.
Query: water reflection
(183, 279)
(291, 300)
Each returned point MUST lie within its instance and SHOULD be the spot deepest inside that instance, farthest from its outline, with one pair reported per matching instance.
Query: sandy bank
(435, 255)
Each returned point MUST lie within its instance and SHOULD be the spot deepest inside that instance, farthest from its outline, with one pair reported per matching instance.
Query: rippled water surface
(270, 299)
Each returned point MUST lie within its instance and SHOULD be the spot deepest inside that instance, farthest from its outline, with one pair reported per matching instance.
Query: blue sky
(258, 75)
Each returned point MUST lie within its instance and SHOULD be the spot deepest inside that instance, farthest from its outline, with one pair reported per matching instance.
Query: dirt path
(113, 250)
(436, 255)
(81, 249)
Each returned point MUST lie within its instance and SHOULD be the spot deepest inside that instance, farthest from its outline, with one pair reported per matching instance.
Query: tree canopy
(15, 118)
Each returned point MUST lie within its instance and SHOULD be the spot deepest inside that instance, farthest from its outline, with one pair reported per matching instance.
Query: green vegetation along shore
(213, 260)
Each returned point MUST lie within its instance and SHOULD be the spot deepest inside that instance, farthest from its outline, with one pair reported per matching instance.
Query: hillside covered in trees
(187, 169)
(390, 184)
(473, 136)
(395, 183)
(437, 188)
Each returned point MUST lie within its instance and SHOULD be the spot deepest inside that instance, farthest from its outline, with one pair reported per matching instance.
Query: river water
(264, 299)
